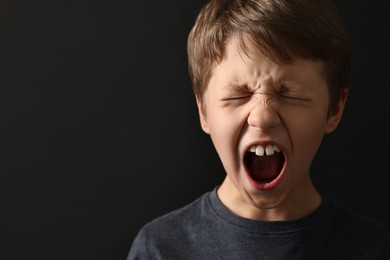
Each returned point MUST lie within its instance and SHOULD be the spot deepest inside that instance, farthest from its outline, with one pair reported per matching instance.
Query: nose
(263, 114)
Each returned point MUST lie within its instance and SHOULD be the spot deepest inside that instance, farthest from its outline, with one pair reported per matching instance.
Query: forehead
(250, 66)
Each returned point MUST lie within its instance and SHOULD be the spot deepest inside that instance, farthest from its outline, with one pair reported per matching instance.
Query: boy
(270, 79)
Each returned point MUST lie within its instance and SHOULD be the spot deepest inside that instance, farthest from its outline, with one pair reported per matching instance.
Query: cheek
(225, 130)
(306, 133)
(222, 131)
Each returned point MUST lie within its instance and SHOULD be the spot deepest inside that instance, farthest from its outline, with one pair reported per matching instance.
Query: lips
(264, 164)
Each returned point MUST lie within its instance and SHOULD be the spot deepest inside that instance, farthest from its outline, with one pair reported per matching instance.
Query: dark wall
(99, 131)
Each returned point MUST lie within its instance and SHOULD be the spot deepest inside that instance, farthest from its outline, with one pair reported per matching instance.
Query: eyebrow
(283, 86)
(234, 86)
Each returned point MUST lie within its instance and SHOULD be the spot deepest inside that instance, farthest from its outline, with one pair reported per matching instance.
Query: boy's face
(267, 121)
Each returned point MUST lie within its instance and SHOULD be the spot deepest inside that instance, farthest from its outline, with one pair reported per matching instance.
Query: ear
(336, 114)
(202, 115)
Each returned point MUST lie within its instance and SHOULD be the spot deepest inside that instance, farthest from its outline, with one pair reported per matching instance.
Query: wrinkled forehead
(252, 67)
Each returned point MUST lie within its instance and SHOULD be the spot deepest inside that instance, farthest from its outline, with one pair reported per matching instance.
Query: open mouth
(264, 163)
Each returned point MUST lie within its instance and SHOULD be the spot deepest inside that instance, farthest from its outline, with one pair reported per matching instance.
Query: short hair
(281, 29)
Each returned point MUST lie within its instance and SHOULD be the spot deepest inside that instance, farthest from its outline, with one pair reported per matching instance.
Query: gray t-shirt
(206, 229)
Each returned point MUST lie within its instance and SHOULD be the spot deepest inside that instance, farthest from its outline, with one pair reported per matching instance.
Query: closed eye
(286, 93)
(238, 97)
(236, 100)
(293, 100)
(291, 97)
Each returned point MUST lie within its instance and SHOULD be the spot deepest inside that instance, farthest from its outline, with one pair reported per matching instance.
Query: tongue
(265, 168)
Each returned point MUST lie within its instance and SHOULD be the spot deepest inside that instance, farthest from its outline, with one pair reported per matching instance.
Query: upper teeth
(268, 150)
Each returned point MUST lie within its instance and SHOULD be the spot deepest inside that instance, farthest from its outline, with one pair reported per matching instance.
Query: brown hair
(280, 29)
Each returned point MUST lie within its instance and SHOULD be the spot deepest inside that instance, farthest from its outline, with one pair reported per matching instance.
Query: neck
(291, 205)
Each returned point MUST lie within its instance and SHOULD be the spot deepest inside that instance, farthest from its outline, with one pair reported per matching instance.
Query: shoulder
(178, 227)
(356, 222)
(357, 233)
(181, 218)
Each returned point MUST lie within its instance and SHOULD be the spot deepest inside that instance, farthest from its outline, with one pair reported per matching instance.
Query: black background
(99, 131)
